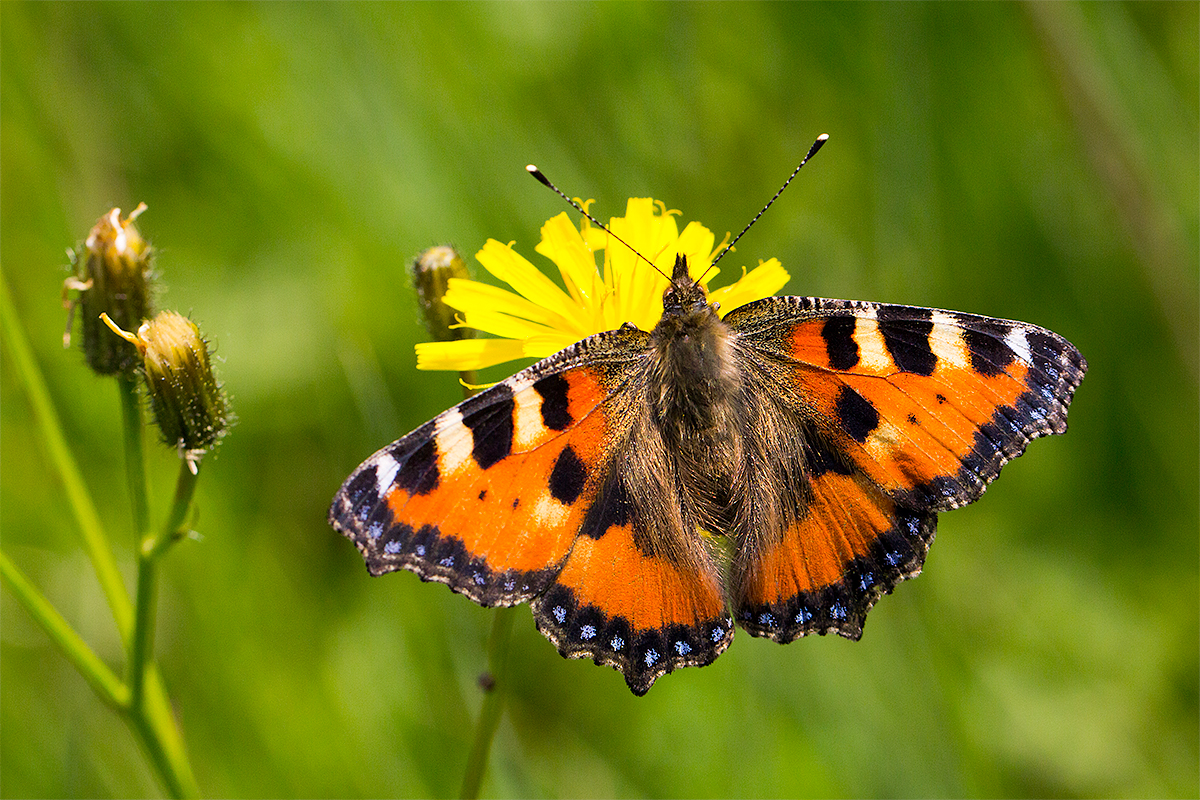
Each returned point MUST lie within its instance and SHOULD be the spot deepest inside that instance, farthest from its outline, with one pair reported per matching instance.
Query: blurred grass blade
(102, 679)
(95, 542)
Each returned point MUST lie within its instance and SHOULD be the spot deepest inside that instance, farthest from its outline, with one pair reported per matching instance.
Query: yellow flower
(541, 318)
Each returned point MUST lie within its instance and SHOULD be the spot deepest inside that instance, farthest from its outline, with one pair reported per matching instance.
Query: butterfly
(781, 468)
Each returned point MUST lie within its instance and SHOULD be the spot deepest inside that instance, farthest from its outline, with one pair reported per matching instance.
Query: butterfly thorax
(694, 386)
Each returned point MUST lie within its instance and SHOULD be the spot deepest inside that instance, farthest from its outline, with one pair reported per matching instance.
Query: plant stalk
(495, 688)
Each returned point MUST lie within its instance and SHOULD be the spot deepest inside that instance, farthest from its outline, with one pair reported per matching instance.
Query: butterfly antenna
(537, 173)
(812, 151)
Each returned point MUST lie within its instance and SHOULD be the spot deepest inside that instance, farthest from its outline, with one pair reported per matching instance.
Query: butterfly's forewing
(488, 496)
(908, 411)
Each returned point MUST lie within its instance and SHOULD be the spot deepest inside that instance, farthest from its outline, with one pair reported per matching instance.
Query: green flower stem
(493, 703)
(149, 709)
(96, 672)
(144, 599)
(95, 542)
(135, 461)
(150, 551)
(159, 729)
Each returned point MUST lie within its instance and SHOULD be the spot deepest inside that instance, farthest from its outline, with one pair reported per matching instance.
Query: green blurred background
(1037, 162)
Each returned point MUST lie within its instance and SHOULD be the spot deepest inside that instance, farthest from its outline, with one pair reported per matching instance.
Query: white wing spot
(947, 342)
(528, 428)
(1017, 342)
(385, 474)
(454, 441)
(872, 351)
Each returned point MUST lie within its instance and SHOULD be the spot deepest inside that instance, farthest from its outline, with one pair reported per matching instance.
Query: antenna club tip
(822, 137)
(537, 173)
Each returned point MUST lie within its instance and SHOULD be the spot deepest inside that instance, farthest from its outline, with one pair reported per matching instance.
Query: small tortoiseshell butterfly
(781, 467)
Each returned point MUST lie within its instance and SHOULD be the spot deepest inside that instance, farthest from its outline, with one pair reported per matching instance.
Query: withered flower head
(111, 273)
(432, 271)
(189, 406)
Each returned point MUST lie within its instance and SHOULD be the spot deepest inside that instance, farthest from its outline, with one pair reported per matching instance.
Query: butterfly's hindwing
(635, 593)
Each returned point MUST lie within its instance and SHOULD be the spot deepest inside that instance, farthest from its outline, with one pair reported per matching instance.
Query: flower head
(540, 317)
(431, 272)
(111, 272)
(189, 405)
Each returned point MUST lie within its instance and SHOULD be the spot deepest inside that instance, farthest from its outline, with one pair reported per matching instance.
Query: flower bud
(432, 271)
(189, 405)
(110, 276)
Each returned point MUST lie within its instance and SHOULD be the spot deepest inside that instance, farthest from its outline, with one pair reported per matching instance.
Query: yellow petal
(471, 296)
(763, 281)
(503, 325)
(504, 262)
(468, 354)
(637, 286)
(563, 244)
(696, 242)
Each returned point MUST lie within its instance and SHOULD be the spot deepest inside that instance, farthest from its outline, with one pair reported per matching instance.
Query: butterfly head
(685, 296)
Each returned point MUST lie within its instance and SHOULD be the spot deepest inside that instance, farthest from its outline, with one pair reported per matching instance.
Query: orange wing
(637, 592)
(521, 492)
(903, 412)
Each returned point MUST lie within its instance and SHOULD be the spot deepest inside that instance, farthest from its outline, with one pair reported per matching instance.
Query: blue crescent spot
(683, 648)
(587, 632)
(717, 633)
(837, 611)
(559, 613)
(421, 550)
(766, 619)
(375, 529)
(651, 657)
(617, 643)
(392, 547)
